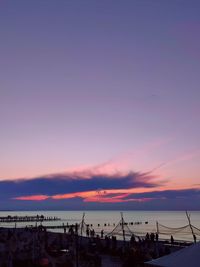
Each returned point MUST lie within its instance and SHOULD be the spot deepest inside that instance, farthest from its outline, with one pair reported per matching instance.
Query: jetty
(36, 218)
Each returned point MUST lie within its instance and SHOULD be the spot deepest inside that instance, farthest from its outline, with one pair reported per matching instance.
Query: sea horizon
(140, 222)
(120, 210)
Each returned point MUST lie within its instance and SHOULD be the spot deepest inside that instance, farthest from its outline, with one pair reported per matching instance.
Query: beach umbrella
(185, 257)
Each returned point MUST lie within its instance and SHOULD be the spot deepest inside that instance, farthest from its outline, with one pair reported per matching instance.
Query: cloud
(181, 158)
(75, 182)
(189, 193)
(187, 199)
(122, 161)
(87, 186)
(33, 197)
(91, 190)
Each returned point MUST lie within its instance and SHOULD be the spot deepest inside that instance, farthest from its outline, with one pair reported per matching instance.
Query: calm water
(167, 218)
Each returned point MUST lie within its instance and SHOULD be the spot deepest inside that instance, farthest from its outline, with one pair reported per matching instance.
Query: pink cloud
(33, 197)
(104, 196)
(120, 163)
(181, 158)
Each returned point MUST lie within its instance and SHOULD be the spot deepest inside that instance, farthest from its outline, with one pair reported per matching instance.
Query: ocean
(139, 222)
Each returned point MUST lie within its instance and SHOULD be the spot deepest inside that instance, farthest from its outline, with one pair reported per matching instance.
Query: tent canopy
(185, 257)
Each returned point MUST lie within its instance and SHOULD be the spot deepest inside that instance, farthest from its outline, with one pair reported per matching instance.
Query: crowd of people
(37, 247)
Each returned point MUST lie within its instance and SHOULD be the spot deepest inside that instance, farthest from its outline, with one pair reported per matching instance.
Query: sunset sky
(99, 104)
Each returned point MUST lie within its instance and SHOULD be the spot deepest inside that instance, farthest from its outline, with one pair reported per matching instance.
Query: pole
(76, 240)
(157, 231)
(76, 245)
(82, 222)
(33, 247)
(188, 217)
(122, 219)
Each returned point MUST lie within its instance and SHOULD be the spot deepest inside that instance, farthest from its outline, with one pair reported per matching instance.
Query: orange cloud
(111, 195)
(33, 197)
(84, 194)
(98, 194)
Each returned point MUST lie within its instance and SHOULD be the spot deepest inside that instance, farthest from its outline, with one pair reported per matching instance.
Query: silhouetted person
(92, 233)
(102, 233)
(156, 236)
(152, 237)
(71, 230)
(172, 239)
(76, 228)
(147, 236)
(132, 239)
(114, 242)
(87, 232)
(107, 239)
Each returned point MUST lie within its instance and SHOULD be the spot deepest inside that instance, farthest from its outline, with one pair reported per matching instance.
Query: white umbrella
(185, 257)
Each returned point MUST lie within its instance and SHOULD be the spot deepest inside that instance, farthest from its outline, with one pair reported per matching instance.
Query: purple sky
(102, 85)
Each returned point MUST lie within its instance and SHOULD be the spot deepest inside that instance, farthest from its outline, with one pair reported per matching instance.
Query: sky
(99, 104)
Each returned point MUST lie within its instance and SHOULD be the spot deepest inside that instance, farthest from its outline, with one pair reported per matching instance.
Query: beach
(91, 238)
(36, 247)
(139, 222)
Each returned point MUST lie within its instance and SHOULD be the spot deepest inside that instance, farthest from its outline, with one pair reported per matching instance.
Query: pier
(37, 218)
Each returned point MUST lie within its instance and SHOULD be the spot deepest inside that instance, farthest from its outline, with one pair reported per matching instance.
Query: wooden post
(122, 220)
(157, 230)
(33, 247)
(188, 217)
(82, 222)
(76, 249)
